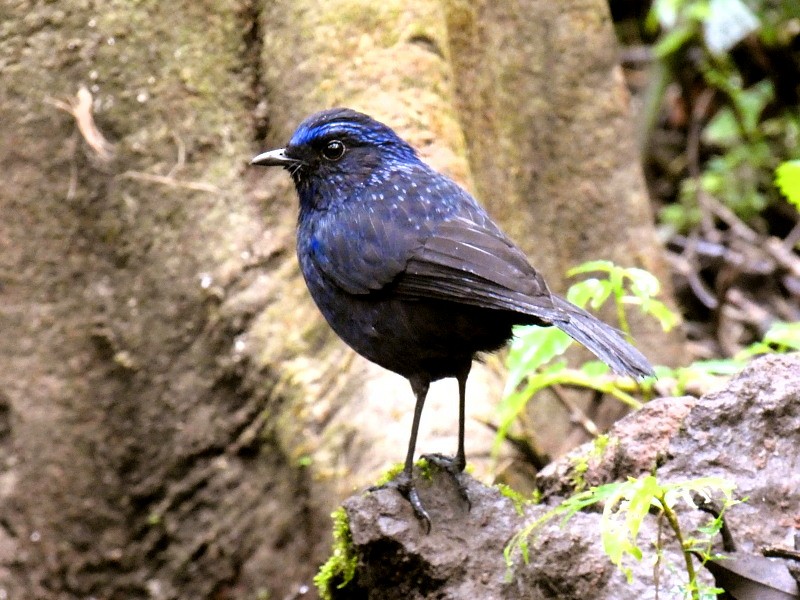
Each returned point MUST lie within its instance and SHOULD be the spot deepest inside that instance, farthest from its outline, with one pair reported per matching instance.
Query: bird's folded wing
(362, 251)
(472, 263)
(417, 250)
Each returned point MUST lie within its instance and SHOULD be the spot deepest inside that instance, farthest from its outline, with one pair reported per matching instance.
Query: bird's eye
(333, 150)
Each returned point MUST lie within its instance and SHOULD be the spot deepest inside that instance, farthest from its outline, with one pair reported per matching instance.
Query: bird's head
(335, 152)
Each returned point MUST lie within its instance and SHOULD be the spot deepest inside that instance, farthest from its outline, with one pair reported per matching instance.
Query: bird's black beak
(274, 158)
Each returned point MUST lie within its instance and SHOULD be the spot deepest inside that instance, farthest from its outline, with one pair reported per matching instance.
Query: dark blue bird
(410, 271)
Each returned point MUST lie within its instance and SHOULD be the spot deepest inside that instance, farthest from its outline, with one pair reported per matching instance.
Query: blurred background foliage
(715, 85)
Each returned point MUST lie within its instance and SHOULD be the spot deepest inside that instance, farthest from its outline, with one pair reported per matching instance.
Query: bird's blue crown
(351, 125)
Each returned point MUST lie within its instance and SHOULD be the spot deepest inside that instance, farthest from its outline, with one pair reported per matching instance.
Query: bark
(140, 459)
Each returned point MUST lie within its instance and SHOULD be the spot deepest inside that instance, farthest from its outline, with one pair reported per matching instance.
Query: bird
(411, 272)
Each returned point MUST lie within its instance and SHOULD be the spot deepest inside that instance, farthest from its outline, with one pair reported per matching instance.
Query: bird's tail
(603, 340)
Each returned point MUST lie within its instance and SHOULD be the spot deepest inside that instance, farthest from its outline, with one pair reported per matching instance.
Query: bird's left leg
(404, 482)
(455, 465)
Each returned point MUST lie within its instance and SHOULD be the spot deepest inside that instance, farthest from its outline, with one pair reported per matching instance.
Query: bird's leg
(455, 466)
(420, 388)
(460, 462)
(404, 482)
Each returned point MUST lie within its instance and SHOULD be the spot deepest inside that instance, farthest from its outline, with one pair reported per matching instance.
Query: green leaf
(657, 309)
(701, 485)
(785, 335)
(722, 366)
(643, 283)
(675, 40)
(604, 266)
(595, 368)
(722, 130)
(780, 337)
(532, 348)
(590, 291)
(787, 178)
(644, 492)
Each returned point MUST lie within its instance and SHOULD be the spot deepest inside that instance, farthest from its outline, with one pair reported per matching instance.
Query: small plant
(517, 499)
(581, 463)
(532, 360)
(752, 130)
(340, 568)
(780, 338)
(625, 506)
(389, 474)
(628, 286)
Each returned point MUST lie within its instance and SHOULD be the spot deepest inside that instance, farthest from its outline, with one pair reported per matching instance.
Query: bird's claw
(453, 466)
(404, 484)
(422, 515)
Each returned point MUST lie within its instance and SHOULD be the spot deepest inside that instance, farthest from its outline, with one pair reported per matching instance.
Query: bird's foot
(404, 483)
(453, 466)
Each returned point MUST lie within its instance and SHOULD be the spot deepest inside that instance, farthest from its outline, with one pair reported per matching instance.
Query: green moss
(425, 471)
(580, 464)
(425, 468)
(601, 443)
(389, 474)
(518, 499)
(340, 568)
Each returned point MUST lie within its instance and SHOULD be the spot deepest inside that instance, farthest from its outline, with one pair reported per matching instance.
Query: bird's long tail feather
(603, 340)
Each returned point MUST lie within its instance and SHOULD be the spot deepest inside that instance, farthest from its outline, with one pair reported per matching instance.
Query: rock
(636, 444)
(748, 433)
(461, 557)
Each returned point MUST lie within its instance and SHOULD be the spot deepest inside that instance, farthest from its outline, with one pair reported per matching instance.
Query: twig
(181, 155)
(790, 241)
(576, 415)
(690, 268)
(710, 507)
(780, 552)
(729, 217)
(783, 256)
(81, 109)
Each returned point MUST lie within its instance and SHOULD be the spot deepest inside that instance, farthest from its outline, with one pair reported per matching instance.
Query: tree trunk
(142, 453)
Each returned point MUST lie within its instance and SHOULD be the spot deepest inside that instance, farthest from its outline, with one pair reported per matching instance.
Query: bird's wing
(472, 262)
(467, 259)
(430, 240)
